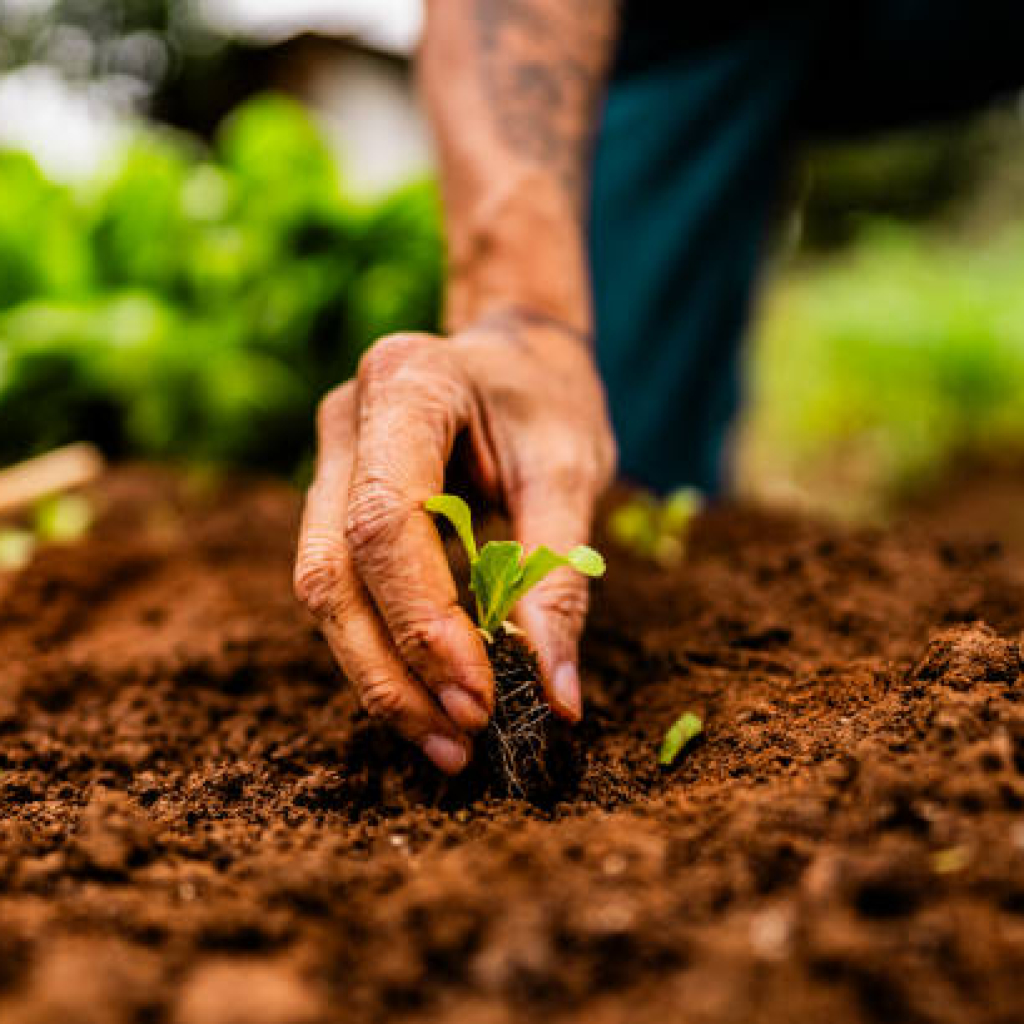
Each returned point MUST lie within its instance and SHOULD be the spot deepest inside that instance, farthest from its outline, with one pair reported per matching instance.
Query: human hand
(370, 565)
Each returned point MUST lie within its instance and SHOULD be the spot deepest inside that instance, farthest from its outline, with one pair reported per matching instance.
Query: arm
(512, 87)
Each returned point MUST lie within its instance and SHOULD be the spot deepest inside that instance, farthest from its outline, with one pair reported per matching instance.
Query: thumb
(553, 613)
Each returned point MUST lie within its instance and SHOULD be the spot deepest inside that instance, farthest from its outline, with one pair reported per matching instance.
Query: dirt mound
(198, 826)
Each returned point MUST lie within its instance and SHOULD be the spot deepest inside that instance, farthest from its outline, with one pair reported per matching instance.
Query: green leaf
(499, 575)
(634, 526)
(536, 566)
(456, 511)
(682, 731)
(586, 560)
(679, 509)
(493, 579)
(542, 561)
(62, 519)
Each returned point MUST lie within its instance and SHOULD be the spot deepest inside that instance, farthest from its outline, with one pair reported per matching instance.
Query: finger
(327, 584)
(386, 689)
(412, 403)
(553, 613)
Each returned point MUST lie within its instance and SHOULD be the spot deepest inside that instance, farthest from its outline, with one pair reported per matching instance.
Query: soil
(526, 751)
(198, 825)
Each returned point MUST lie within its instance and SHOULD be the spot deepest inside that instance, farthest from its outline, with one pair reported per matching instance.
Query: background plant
(196, 303)
(656, 529)
(873, 369)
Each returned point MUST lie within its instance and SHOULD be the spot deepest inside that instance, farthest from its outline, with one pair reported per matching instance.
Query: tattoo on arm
(543, 65)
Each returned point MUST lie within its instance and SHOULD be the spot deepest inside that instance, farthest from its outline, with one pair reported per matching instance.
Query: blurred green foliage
(874, 368)
(198, 304)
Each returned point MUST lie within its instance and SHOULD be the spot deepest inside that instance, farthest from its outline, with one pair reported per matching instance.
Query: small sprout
(682, 731)
(656, 530)
(62, 519)
(499, 574)
(16, 548)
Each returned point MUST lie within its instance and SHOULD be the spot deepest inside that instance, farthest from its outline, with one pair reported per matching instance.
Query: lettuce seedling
(499, 574)
(656, 530)
(685, 729)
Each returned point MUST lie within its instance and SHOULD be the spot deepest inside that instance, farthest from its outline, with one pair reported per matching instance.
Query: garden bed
(198, 826)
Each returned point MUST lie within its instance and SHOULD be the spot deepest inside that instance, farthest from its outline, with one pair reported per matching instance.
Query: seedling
(520, 734)
(683, 731)
(59, 519)
(499, 575)
(62, 518)
(656, 530)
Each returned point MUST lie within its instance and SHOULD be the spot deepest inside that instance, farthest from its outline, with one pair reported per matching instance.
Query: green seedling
(499, 573)
(656, 530)
(683, 731)
(62, 519)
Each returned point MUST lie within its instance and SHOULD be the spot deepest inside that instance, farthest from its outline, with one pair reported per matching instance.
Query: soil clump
(198, 825)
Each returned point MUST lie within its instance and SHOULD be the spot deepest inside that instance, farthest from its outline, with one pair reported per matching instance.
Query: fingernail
(447, 754)
(463, 708)
(567, 690)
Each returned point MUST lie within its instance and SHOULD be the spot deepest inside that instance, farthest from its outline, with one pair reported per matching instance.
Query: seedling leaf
(679, 508)
(656, 530)
(682, 731)
(499, 575)
(539, 563)
(493, 577)
(536, 566)
(456, 511)
(62, 519)
(586, 560)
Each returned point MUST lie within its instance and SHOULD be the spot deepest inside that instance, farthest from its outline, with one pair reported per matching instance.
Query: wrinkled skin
(371, 566)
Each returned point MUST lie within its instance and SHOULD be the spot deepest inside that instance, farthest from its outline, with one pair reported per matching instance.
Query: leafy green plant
(683, 731)
(499, 573)
(656, 530)
(196, 302)
(876, 369)
(58, 519)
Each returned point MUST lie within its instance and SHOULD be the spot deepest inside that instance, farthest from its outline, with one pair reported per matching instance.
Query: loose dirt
(198, 826)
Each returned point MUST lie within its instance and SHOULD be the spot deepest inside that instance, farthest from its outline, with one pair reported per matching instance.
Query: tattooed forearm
(543, 64)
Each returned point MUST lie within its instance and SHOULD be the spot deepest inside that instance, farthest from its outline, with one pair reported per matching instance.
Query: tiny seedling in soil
(656, 530)
(683, 731)
(60, 519)
(499, 575)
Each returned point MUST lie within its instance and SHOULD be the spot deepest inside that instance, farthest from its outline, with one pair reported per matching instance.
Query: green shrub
(198, 303)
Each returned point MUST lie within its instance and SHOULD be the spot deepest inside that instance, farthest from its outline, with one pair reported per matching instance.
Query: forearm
(513, 89)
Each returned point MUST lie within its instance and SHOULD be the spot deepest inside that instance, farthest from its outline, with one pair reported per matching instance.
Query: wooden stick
(63, 469)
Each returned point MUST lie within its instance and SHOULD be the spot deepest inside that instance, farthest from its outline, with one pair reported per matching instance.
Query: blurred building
(349, 60)
(76, 76)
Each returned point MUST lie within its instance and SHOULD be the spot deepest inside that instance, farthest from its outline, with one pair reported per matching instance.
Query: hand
(371, 567)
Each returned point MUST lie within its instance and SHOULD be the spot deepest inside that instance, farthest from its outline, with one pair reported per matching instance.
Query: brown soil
(197, 825)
